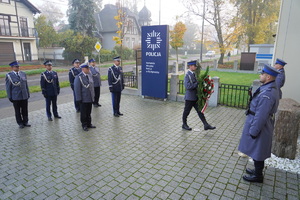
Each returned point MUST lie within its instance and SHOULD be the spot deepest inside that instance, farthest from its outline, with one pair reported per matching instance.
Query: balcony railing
(13, 31)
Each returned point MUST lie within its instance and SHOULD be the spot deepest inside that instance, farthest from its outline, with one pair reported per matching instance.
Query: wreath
(205, 87)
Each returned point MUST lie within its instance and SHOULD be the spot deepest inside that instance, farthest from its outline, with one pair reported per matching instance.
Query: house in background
(107, 28)
(17, 33)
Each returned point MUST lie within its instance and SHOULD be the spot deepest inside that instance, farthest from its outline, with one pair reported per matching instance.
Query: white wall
(287, 47)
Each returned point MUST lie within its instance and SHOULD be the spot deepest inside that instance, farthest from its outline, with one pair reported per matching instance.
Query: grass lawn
(232, 77)
(36, 71)
(37, 88)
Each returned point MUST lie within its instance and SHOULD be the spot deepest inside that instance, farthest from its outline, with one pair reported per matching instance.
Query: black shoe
(120, 114)
(21, 126)
(99, 104)
(27, 125)
(250, 171)
(254, 178)
(186, 127)
(96, 105)
(116, 115)
(50, 119)
(91, 126)
(209, 127)
(85, 128)
(58, 117)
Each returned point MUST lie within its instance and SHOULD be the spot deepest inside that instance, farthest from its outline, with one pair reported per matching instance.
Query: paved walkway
(143, 155)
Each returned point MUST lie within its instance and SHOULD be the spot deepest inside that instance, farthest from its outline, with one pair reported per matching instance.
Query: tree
(98, 5)
(77, 45)
(54, 15)
(176, 36)
(190, 36)
(217, 14)
(81, 16)
(256, 20)
(46, 32)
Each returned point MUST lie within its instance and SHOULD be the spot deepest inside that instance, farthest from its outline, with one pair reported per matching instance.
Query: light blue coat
(261, 125)
(191, 85)
(280, 80)
(84, 88)
(17, 87)
(96, 76)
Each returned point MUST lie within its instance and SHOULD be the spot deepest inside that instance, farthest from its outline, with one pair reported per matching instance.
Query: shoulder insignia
(265, 96)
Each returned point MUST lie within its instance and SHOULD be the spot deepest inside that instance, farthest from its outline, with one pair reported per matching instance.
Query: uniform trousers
(97, 95)
(21, 111)
(85, 114)
(116, 98)
(259, 166)
(187, 109)
(53, 100)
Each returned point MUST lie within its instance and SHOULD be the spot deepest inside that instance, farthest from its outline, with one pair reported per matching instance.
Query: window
(4, 1)
(24, 27)
(4, 25)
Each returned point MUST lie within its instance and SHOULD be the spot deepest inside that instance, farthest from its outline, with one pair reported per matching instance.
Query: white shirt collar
(191, 71)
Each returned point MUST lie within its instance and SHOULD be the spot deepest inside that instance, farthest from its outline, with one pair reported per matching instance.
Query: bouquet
(205, 88)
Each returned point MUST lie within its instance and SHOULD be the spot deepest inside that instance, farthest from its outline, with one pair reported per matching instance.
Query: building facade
(107, 28)
(287, 47)
(17, 34)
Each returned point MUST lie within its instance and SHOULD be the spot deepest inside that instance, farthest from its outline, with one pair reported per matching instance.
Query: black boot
(254, 178)
(257, 175)
(186, 127)
(250, 171)
(209, 127)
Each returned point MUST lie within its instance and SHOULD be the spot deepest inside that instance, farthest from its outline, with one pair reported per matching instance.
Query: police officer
(18, 93)
(256, 139)
(50, 89)
(280, 79)
(74, 71)
(116, 85)
(97, 81)
(84, 94)
(191, 85)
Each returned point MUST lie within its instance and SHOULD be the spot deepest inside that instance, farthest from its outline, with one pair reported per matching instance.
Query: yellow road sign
(98, 46)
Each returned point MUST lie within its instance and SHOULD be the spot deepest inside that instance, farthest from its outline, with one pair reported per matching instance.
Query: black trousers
(187, 109)
(97, 95)
(259, 166)
(53, 100)
(85, 114)
(116, 98)
(21, 111)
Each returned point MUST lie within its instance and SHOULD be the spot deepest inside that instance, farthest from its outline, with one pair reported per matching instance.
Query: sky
(169, 8)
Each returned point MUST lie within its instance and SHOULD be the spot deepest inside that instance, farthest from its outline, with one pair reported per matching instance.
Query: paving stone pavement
(142, 155)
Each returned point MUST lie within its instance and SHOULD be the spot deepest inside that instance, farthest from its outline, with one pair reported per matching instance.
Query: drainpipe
(19, 30)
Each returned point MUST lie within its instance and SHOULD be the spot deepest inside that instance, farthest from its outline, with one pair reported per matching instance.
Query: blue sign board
(155, 54)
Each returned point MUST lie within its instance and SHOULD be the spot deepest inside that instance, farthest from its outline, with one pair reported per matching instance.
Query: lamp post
(203, 16)
(159, 11)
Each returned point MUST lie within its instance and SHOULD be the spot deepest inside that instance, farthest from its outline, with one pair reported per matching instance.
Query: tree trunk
(286, 129)
(221, 59)
(177, 55)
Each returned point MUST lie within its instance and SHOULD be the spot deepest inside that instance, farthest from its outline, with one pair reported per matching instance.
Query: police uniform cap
(270, 70)
(280, 62)
(193, 62)
(84, 65)
(75, 61)
(92, 60)
(118, 58)
(14, 63)
(48, 62)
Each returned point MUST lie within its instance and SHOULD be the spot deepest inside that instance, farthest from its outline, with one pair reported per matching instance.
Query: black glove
(45, 95)
(11, 100)
(110, 89)
(253, 137)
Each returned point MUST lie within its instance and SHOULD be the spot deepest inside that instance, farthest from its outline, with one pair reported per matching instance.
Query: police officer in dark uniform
(256, 139)
(74, 71)
(116, 85)
(280, 79)
(50, 89)
(191, 85)
(18, 93)
(84, 94)
(97, 81)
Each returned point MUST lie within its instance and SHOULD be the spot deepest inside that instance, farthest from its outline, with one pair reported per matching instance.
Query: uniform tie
(87, 77)
(18, 75)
